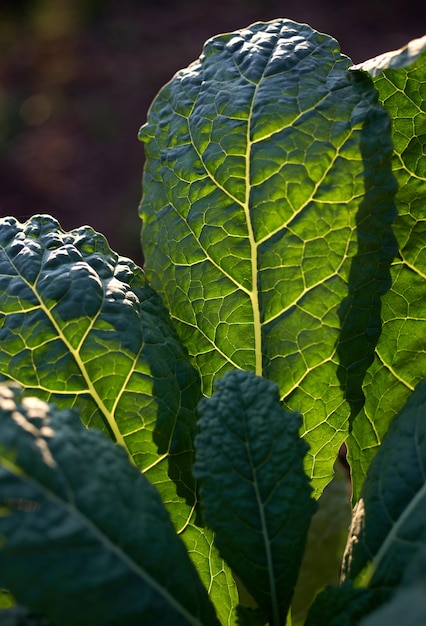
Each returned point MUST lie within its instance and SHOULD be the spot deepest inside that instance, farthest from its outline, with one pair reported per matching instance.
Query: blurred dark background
(77, 78)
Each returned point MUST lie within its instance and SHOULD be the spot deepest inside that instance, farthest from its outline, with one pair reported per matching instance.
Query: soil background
(77, 78)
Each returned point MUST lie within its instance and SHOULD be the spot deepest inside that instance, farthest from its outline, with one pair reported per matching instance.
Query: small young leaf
(254, 491)
(85, 536)
(389, 521)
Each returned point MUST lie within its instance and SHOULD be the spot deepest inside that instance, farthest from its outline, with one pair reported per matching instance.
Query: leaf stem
(254, 295)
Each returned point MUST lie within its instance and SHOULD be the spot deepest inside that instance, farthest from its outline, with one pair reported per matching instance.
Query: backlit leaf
(80, 327)
(400, 360)
(267, 210)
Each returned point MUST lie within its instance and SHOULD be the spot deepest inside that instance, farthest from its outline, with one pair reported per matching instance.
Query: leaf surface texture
(93, 546)
(388, 525)
(262, 228)
(254, 491)
(80, 327)
(400, 357)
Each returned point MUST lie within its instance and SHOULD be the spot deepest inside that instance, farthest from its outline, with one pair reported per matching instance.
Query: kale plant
(280, 314)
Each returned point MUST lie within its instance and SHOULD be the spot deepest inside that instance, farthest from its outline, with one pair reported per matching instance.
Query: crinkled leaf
(267, 204)
(400, 361)
(254, 491)
(389, 522)
(85, 536)
(80, 326)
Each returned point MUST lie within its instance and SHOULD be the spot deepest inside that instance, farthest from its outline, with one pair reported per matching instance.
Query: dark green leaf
(20, 616)
(268, 198)
(400, 361)
(408, 605)
(389, 521)
(341, 606)
(85, 536)
(254, 491)
(250, 617)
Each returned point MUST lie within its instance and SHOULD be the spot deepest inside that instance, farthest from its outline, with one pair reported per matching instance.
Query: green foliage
(400, 359)
(250, 466)
(105, 514)
(392, 506)
(283, 211)
(259, 208)
(82, 328)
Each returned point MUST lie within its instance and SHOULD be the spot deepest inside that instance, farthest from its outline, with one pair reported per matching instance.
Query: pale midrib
(74, 352)
(266, 541)
(391, 537)
(109, 545)
(90, 386)
(254, 294)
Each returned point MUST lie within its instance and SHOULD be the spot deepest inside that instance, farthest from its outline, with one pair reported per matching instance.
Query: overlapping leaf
(408, 604)
(400, 361)
(340, 606)
(254, 491)
(325, 545)
(85, 536)
(80, 326)
(268, 198)
(389, 523)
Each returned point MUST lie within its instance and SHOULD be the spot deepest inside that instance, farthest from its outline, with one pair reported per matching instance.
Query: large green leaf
(389, 522)
(79, 326)
(85, 538)
(400, 362)
(267, 204)
(254, 491)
